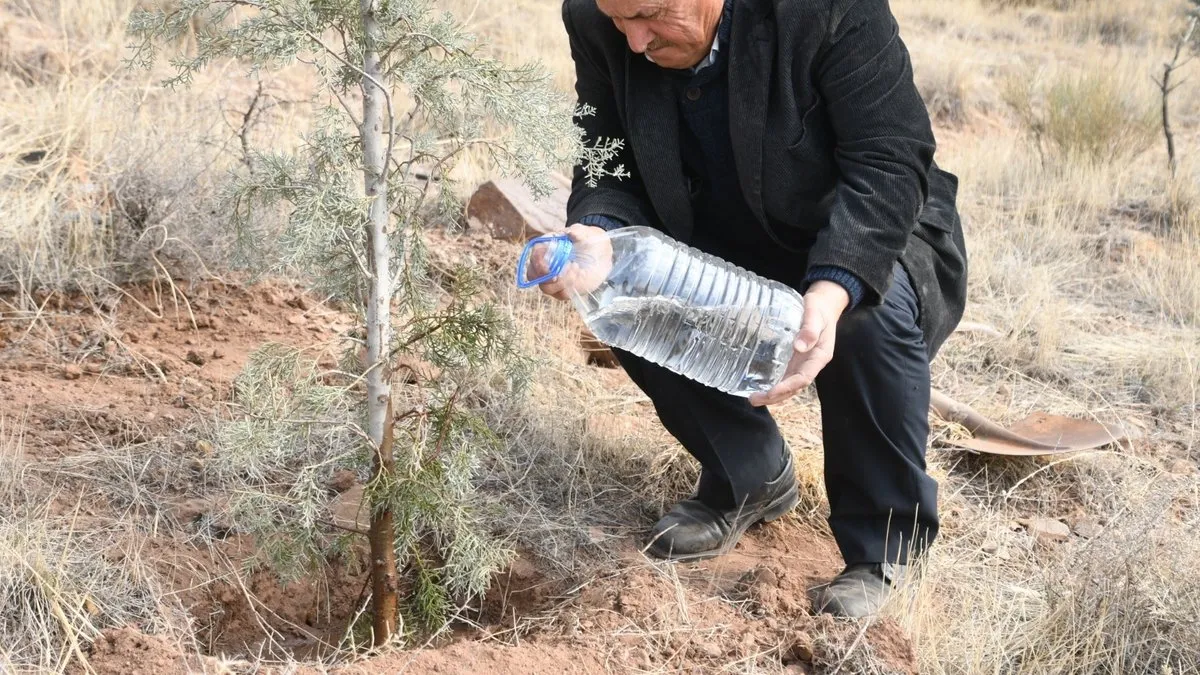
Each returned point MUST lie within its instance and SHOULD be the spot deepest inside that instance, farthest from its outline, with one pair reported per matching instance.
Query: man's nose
(638, 37)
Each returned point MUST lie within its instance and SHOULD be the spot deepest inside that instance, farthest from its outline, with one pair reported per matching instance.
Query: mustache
(657, 44)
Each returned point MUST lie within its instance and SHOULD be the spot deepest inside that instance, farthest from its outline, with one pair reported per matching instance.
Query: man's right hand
(592, 261)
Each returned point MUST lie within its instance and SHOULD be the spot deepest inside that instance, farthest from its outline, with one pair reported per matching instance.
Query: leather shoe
(693, 530)
(860, 590)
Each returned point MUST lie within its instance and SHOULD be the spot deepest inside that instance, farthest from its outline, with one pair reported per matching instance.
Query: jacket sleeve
(607, 199)
(884, 144)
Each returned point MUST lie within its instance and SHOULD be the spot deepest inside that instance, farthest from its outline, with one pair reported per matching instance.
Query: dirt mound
(129, 651)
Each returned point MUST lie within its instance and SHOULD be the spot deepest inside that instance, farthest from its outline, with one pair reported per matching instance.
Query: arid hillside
(129, 311)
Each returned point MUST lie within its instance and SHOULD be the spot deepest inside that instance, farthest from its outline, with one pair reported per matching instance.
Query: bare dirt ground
(84, 379)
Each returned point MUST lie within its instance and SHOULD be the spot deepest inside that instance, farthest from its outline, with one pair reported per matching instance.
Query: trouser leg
(874, 411)
(738, 445)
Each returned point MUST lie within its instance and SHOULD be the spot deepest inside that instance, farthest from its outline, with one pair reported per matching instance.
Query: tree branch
(1166, 88)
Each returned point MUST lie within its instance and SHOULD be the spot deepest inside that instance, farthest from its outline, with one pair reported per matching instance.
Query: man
(787, 137)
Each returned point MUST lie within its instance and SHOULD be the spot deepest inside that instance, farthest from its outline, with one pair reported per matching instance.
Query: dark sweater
(721, 213)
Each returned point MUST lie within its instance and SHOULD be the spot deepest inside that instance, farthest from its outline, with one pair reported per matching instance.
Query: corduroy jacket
(832, 144)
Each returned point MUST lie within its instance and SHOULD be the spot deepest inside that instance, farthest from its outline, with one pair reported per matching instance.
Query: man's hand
(823, 306)
(590, 268)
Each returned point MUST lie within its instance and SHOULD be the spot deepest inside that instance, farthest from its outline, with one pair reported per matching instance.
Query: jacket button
(693, 93)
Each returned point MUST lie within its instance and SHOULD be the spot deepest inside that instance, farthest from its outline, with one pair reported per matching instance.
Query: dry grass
(1108, 22)
(105, 176)
(60, 586)
(65, 576)
(1083, 256)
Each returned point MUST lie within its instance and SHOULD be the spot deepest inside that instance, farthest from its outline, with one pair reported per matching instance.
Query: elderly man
(787, 137)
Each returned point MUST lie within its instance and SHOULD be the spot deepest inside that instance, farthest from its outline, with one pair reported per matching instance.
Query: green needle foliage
(399, 76)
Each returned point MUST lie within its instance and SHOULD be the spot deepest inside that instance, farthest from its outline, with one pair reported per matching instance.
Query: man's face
(671, 33)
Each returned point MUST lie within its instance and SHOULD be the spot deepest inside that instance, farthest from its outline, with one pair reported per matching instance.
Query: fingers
(811, 328)
(538, 261)
(811, 366)
(559, 287)
(554, 288)
(785, 389)
(802, 369)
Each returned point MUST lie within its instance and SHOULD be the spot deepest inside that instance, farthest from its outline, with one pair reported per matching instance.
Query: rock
(72, 372)
(296, 319)
(300, 302)
(214, 323)
(1046, 529)
(195, 358)
(191, 509)
(990, 548)
(1088, 528)
(342, 480)
(509, 211)
(761, 576)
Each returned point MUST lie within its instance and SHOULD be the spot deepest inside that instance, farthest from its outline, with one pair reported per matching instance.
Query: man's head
(671, 33)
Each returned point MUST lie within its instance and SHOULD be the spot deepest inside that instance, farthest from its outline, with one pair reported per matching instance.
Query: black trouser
(874, 413)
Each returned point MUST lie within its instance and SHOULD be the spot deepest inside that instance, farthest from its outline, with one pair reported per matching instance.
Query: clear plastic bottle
(690, 312)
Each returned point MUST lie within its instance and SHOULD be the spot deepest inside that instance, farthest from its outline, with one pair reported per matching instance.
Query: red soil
(77, 380)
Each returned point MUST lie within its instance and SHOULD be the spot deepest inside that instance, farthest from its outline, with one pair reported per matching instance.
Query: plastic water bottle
(685, 310)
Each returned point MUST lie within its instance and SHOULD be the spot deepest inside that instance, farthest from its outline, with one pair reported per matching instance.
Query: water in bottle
(685, 310)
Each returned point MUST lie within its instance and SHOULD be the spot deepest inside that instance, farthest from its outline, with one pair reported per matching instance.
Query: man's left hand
(823, 306)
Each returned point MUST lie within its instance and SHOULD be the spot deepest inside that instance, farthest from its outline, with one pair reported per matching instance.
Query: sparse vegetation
(1083, 258)
(1091, 116)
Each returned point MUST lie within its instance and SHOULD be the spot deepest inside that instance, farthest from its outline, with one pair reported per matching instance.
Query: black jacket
(832, 144)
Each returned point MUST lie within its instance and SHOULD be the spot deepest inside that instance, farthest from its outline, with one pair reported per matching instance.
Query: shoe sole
(774, 511)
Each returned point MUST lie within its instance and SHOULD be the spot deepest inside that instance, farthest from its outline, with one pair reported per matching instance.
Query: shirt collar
(723, 27)
(712, 53)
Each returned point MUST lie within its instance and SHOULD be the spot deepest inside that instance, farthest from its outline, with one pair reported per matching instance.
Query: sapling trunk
(376, 113)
